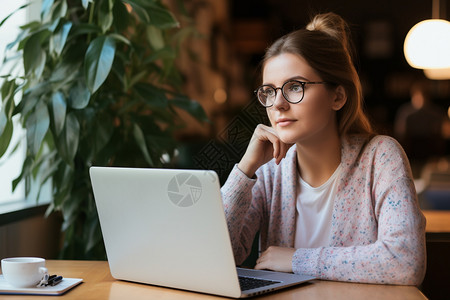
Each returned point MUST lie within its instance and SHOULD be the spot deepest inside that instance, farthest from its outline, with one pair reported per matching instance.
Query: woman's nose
(280, 102)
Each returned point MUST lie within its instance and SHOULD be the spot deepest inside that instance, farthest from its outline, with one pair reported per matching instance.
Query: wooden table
(99, 284)
(438, 221)
(436, 282)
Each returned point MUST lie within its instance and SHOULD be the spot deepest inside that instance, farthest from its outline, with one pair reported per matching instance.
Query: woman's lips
(284, 122)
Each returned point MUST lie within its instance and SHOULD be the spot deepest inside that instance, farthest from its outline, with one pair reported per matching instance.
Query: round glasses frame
(302, 83)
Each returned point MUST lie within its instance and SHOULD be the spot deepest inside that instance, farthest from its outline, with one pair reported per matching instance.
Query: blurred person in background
(418, 127)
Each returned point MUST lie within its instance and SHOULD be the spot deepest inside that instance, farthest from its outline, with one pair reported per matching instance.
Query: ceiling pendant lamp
(427, 44)
(437, 74)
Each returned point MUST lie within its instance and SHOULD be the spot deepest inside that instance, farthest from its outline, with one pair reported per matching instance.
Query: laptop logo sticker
(184, 190)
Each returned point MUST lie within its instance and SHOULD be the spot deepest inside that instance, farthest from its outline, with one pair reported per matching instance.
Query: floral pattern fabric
(378, 229)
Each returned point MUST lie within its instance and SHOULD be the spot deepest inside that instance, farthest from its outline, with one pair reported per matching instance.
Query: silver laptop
(167, 228)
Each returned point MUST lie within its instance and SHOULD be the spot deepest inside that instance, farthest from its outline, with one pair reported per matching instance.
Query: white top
(314, 212)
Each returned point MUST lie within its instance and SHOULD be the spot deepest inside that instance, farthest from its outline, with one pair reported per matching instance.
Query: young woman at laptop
(329, 197)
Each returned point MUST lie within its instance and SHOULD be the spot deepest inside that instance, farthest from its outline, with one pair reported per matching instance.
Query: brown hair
(325, 45)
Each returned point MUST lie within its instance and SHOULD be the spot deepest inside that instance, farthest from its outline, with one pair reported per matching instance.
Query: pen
(51, 277)
(55, 280)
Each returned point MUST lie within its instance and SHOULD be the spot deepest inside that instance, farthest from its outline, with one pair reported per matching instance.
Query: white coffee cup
(24, 272)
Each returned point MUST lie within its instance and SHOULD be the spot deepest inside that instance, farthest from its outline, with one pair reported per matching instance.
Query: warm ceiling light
(427, 45)
(437, 74)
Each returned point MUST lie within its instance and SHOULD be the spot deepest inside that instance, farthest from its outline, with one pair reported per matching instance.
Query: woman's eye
(296, 88)
(269, 92)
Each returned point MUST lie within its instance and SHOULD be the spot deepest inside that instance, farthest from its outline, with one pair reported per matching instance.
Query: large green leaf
(59, 11)
(152, 13)
(152, 95)
(34, 56)
(62, 182)
(26, 170)
(82, 29)
(161, 17)
(155, 37)
(71, 136)
(41, 165)
(40, 64)
(59, 38)
(18, 40)
(140, 140)
(192, 107)
(102, 133)
(30, 98)
(79, 95)
(59, 108)
(64, 72)
(3, 121)
(13, 13)
(98, 61)
(7, 91)
(120, 38)
(5, 136)
(105, 14)
(47, 171)
(46, 8)
(37, 126)
(139, 10)
(68, 140)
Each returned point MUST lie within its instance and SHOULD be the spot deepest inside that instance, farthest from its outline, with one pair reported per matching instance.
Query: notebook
(59, 289)
(167, 227)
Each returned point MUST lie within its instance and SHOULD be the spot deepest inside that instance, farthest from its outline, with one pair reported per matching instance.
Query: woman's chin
(287, 138)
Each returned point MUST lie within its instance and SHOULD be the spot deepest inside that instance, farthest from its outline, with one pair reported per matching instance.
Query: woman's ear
(341, 98)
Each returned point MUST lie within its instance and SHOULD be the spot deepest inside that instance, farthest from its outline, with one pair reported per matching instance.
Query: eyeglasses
(292, 90)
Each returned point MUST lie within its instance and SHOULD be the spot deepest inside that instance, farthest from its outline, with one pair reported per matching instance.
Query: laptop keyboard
(248, 283)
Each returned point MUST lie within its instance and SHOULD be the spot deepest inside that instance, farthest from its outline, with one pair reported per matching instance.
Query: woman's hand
(264, 145)
(276, 259)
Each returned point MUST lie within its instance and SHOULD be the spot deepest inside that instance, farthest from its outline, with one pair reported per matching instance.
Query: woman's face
(314, 117)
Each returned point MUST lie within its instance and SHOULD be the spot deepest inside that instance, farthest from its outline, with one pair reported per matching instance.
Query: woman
(328, 197)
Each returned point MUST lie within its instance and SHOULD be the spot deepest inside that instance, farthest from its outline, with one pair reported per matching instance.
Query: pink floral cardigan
(378, 230)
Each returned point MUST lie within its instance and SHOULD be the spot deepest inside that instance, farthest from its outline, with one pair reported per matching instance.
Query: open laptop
(167, 228)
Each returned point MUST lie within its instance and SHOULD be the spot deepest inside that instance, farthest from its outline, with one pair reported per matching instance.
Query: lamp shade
(427, 45)
(437, 74)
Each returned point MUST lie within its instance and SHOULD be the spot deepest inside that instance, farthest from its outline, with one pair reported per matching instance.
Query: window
(11, 164)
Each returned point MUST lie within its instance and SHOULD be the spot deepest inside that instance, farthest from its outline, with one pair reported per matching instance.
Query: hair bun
(332, 25)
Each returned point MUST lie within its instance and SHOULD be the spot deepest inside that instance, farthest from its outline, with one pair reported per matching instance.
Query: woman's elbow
(411, 272)
(415, 273)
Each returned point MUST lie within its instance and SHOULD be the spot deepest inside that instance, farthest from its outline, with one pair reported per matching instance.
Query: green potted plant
(99, 86)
